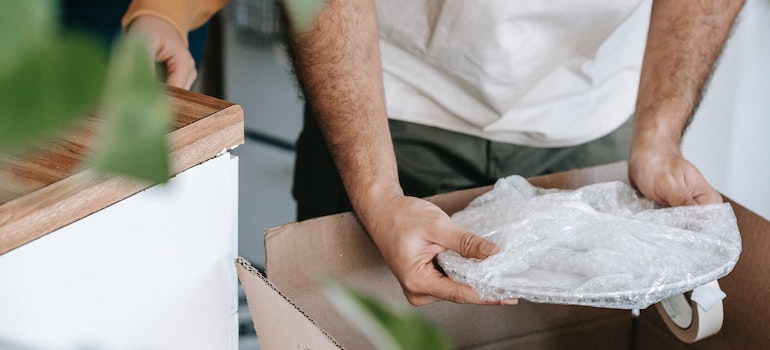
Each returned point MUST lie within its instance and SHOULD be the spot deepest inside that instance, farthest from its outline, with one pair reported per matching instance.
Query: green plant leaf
(386, 327)
(137, 116)
(54, 85)
(24, 26)
(303, 12)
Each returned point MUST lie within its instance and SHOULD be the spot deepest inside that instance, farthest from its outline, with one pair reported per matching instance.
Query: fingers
(673, 193)
(710, 197)
(688, 188)
(705, 194)
(181, 70)
(432, 285)
(436, 286)
(664, 176)
(465, 243)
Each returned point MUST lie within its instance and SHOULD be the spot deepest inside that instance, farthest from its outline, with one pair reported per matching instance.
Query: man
(466, 109)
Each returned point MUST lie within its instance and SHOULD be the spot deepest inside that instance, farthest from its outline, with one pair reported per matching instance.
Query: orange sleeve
(184, 15)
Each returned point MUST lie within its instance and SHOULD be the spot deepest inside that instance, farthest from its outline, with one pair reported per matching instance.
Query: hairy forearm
(338, 66)
(684, 41)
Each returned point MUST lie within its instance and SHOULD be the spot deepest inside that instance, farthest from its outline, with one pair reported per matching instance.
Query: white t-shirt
(530, 72)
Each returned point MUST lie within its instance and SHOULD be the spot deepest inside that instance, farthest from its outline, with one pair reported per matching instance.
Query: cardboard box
(291, 312)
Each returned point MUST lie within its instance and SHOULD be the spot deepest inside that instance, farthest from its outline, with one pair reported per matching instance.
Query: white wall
(729, 140)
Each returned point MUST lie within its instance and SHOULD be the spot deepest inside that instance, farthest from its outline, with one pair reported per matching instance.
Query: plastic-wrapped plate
(601, 245)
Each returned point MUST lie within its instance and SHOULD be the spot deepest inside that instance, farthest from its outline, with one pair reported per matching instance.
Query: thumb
(467, 244)
(708, 196)
(180, 72)
(176, 78)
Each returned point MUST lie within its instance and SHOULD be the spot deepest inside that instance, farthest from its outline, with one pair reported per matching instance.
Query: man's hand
(409, 233)
(167, 45)
(683, 42)
(661, 173)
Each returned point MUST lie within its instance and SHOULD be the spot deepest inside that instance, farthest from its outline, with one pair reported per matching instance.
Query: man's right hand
(409, 233)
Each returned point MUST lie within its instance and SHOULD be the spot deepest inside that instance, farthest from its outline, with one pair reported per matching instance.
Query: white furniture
(154, 270)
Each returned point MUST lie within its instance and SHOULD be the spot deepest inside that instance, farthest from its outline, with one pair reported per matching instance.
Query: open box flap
(281, 324)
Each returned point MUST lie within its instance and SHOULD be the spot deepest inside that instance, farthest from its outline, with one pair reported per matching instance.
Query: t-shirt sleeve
(184, 15)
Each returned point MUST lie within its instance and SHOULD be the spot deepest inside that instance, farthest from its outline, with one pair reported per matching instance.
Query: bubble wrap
(601, 245)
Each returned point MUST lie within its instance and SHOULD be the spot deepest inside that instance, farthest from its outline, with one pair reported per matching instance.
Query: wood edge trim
(80, 195)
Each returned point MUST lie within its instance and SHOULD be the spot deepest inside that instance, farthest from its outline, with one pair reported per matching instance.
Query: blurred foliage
(133, 141)
(302, 13)
(50, 78)
(385, 326)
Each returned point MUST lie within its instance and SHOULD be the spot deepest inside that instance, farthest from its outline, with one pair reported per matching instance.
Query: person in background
(408, 98)
(176, 29)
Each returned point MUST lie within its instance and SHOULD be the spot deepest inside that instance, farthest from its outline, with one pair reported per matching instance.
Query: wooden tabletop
(48, 188)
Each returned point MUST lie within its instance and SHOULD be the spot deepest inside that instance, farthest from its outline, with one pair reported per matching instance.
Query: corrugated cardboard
(278, 321)
(291, 312)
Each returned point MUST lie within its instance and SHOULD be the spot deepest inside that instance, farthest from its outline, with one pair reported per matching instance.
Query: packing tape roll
(695, 317)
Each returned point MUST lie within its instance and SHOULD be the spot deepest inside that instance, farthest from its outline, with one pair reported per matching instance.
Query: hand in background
(409, 232)
(662, 174)
(168, 46)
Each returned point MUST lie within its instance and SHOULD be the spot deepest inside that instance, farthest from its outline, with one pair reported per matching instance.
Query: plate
(602, 245)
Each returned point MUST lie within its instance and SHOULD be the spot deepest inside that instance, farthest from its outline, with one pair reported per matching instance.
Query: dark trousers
(432, 161)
